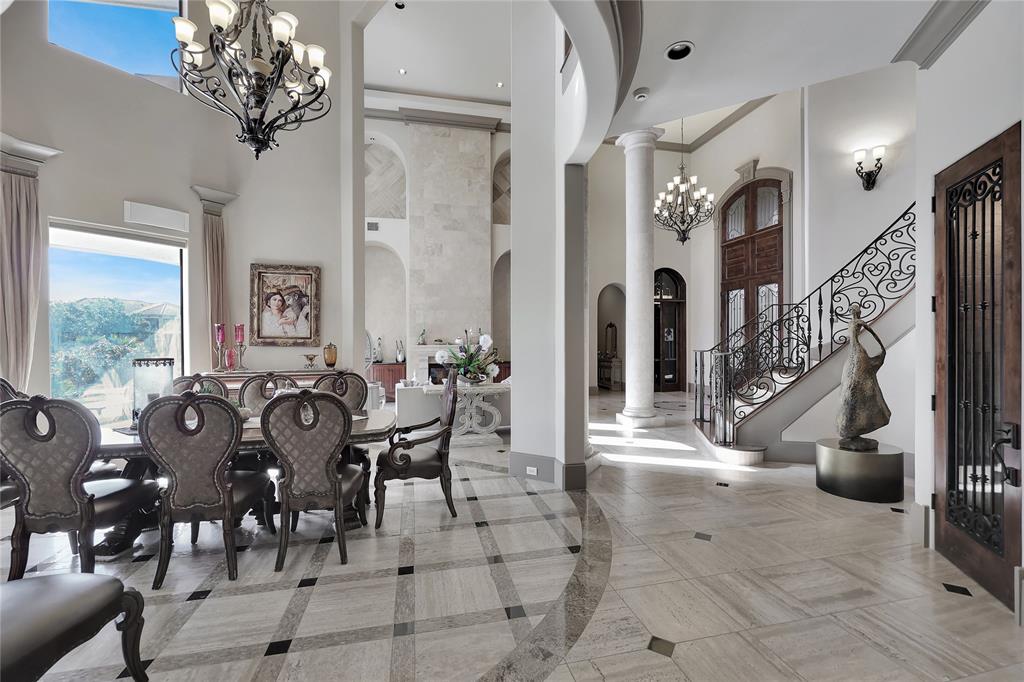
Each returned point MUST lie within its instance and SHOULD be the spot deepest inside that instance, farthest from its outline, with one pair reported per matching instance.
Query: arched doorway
(669, 330)
(752, 255)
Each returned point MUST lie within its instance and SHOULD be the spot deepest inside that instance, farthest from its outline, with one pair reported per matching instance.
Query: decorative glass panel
(767, 207)
(736, 218)
(665, 286)
(734, 314)
(767, 298)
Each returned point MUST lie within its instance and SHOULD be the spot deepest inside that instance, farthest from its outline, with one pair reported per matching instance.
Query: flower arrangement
(474, 363)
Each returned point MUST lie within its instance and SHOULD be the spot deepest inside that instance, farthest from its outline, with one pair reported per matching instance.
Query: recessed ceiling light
(399, 5)
(680, 50)
(402, 71)
(500, 84)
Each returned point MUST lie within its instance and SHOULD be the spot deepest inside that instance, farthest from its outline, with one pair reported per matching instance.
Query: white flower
(486, 342)
(442, 357)
(493, 370)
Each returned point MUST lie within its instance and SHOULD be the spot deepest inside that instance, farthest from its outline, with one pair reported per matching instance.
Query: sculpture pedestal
(871, 476)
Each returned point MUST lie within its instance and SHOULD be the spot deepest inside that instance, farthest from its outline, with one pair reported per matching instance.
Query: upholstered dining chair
(423, 457)
(308, 432)
(256, 391)
(47, 446)
(191, 438)
(199, 383)
(9, 392)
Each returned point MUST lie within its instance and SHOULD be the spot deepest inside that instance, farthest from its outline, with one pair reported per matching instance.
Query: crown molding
(214, 200)
(943, 23)
(439, 118)
(24, 157)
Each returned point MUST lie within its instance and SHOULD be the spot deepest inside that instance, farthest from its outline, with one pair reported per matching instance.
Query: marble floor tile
(434, 515)
(455, 591)
(621, 537)
(924, 647)
(348, 606)
(610, 631)
(632, 566)
(561, 674)
(730, 658)
(462, 653)
(228, 622)
(364, 555)
(635, 665)
(541, 580)
(736, 514)
(657, 528)
(358, 662)
(750, 599)
(820, 649)
(509, 507)
(1013, 673)
(821, 587)
(234, 671)
(678, 611)
(693, 558)
(526, 537)
(449, 545)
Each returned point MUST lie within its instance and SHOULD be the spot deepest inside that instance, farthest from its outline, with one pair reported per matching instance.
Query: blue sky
(78, 274)
(128, 38)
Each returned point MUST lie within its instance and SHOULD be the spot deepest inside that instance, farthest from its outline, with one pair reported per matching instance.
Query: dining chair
(256, 391)
(199, 383)
(308, 432)
(49, 465)
(417, 458)
(191, 438)
(353, 391)
(9, 392)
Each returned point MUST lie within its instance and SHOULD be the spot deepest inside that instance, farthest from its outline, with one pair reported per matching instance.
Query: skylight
(131, 35)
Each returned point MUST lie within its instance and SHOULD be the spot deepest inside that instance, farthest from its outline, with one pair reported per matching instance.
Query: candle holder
(240, 362)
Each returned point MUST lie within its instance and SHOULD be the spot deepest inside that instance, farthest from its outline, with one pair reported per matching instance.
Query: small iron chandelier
(684, 206)
(244, 83)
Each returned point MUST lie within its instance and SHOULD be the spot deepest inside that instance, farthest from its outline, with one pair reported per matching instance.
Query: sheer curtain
(216, 275)
(22, 250)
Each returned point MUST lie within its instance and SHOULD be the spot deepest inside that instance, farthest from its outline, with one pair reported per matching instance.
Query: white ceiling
(697, 125)
(749, 49)
(449, 48)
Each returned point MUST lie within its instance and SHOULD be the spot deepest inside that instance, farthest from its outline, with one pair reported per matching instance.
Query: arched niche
(611, 309)
(501, 191)
(669, 330)
(501, 305)
(385, 182)
(385, 310)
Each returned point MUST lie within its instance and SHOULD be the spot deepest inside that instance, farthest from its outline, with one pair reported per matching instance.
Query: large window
(111, 300)
(132, 35)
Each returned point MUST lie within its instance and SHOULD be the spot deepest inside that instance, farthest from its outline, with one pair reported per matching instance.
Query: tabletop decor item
(475, 364)
(862, 407)
(330, 356)
(284, 305)
(218, 342)
(151, 378)
(240, 343)
(399, 351)
(310, 361)
(421, 340)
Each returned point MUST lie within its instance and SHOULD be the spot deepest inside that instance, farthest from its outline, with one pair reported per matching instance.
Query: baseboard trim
(549, 470)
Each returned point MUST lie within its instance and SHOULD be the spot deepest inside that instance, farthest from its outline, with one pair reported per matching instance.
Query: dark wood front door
(977, 361)
(752, 248)
(669, 331)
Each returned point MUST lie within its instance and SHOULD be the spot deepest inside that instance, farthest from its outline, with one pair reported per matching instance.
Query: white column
(639, 148)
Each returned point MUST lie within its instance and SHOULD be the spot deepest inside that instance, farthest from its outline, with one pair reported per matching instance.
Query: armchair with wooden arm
(423, 457)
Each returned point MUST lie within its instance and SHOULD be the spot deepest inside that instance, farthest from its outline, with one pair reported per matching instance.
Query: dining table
(368, 426)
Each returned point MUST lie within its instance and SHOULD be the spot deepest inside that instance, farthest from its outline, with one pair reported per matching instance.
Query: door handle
(1010, 436)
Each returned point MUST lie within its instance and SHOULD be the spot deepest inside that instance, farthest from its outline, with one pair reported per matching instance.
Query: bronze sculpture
(862, 407)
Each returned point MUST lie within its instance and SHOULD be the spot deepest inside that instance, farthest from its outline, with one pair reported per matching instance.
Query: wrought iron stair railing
(771, 351)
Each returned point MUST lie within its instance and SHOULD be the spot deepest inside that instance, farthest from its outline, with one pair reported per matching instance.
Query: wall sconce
(868, 177)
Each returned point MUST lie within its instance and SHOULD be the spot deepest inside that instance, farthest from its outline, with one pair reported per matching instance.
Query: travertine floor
(715, 572)
(751, 573)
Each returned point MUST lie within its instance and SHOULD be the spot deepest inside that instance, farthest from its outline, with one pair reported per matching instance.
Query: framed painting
(284, 305)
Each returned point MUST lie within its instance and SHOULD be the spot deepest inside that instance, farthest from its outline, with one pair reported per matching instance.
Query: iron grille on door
(974, 488)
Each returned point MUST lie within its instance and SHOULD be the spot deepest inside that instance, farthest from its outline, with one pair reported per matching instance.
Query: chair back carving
(349, 386)
(47, 446)
(256, 391)
(307, 431)
(449, 405)
(198, 383)
(191, 437)
(9, 392)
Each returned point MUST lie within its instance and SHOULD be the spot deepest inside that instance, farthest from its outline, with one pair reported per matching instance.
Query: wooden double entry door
(978, 364)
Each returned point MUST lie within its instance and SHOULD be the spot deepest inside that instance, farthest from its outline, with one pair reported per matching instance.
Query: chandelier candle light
(683, 206)
(245, 82)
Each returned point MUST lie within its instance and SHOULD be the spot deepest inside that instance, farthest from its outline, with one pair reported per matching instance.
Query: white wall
(971, 94)
(857, 112)
(385, 298)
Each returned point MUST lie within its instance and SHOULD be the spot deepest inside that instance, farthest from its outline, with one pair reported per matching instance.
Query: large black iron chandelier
(244, 83)
(684, 206)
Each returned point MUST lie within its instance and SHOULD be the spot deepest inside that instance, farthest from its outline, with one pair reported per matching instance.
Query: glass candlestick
(220, 358)
(239, 363)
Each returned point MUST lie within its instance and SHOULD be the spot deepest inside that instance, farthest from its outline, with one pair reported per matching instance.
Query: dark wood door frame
(677, 304)
(991, 568)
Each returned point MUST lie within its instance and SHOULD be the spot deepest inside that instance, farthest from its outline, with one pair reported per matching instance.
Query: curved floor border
(548, 643)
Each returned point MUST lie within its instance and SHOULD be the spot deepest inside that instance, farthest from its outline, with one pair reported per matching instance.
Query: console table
(479, 412)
